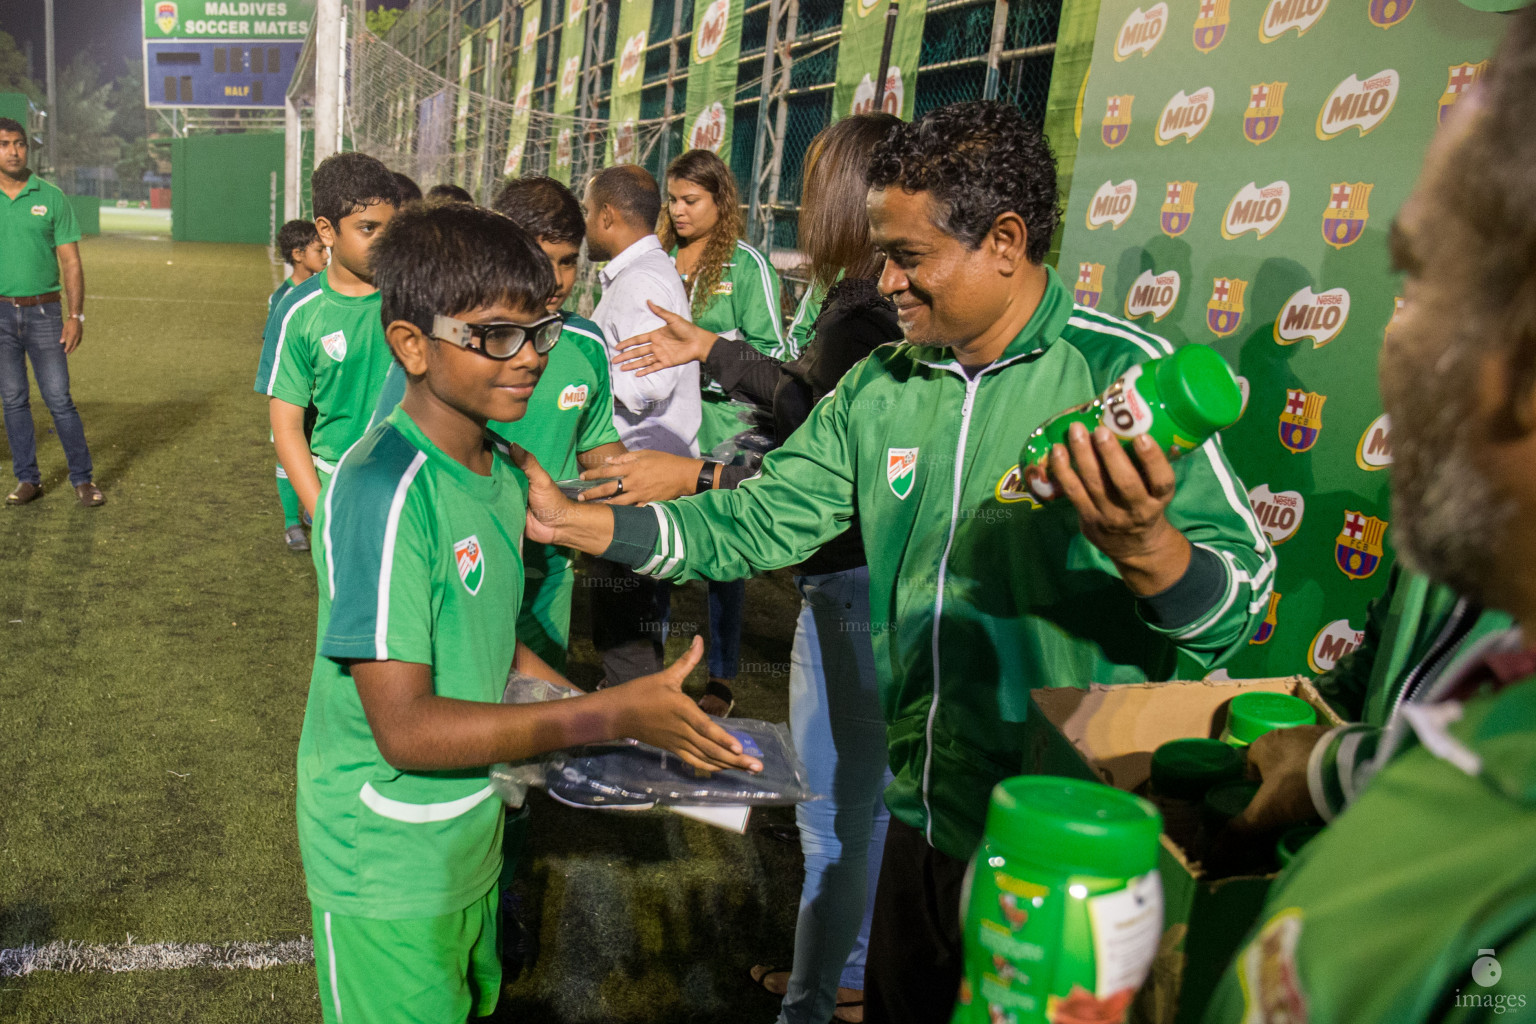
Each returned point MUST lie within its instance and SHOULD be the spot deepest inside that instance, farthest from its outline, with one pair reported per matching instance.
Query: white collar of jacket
(627, 258)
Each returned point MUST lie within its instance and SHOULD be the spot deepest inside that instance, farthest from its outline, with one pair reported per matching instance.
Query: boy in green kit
(420, 578)
(302, 250)
(569, 423)
(328, 341)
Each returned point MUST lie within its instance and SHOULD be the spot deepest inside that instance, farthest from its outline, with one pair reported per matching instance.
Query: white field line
(171, 298)
(80, 958)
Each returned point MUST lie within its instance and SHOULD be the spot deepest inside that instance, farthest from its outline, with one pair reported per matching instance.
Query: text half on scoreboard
(222, 53)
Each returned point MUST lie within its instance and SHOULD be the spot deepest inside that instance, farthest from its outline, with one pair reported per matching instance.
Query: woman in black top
(834, 703)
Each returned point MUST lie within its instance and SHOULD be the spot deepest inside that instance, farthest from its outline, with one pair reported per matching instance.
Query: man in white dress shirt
(660, 411)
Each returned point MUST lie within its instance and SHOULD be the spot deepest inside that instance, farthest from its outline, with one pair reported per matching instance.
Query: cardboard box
(1107, 734)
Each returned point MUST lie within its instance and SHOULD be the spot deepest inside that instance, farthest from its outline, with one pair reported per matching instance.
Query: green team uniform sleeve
(66, 228)
(801, 327)
(293, 359)
(390, 395)
(275, 333)
(755, 301)
(596, 428)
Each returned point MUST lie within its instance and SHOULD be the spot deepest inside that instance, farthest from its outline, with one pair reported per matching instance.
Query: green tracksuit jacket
(1413, 633)
(1418, 895)
(977, 594)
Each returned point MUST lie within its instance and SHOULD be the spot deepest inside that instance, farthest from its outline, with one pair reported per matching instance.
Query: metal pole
(991, 88)
(666, 109)
(792, 26)
(293, 156)
(759, 147)
(891, 13)
(327, 78)
(53, 89)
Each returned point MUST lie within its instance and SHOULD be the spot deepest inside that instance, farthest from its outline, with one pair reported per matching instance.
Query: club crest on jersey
(1225, 310)
(1090, 284)
(1359, 105)
(165, 16)
(1320, 316)
(1281, 16)
(1374, 450)
(1459, 78)
(901, 470)
(1302, 419)
(1012, 488)
(1271, 620)
(1386, 13)
(1262, 118)
(1331, 643)
(1271, 983)
(1358, 549)
(1348, 210)
(1211, 24)
(335, 345)
(1116, 126)
(1178, 208)
(1185, 114)
(1152, 293)
(1279, 512)
(1256, 209)
(470, 560)
(573, 397)
(1112, 204)
(1141, 31)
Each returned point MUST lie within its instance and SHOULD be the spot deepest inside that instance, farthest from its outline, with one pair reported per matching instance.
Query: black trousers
(628, 613)
(916, 958)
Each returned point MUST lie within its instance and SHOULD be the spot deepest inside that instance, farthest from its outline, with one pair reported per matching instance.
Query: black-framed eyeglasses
(500, 341)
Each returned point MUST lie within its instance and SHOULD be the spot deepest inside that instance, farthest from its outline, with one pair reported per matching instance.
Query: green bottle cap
(1073, 826)
(1228, 800)
(1199, 391)
(1251, 715)
(1291, 842)
(1185, 769)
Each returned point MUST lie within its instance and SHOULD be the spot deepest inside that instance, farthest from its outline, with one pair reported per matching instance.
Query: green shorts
(422, 970)
(544, 621)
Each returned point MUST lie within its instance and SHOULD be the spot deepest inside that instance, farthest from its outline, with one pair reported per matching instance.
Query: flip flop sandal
(759, 974)
(845, 1020)
(722, 693)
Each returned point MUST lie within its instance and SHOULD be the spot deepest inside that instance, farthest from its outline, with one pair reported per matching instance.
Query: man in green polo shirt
(38, 235)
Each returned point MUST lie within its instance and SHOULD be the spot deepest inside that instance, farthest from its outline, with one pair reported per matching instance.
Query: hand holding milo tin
(1179, 400)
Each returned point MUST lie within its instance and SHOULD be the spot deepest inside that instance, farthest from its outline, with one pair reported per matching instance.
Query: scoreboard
(222, 53)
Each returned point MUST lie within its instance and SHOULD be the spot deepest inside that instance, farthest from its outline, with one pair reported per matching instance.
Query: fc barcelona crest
(1271, 620)
(1301, 420)
(1090, 284)
(469, 559)
(1386, 13)
(1225, 310)
(1211, 24)
(1358, 549)
(1348, 210)
(1178, 208)
(1262, 118)
(1459, 78)
(1117, 120)
(901, 470)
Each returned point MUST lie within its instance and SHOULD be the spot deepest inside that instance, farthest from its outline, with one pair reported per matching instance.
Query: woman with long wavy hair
(734, 293)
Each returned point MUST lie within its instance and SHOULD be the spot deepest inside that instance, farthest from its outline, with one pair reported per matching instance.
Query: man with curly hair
(977, 593)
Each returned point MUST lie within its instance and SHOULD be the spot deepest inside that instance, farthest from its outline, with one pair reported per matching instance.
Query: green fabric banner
(573, 43)
(1238, 168)
(858, 57)
(629, 76)
(522, 90)
(1064, 105)
(712, 60)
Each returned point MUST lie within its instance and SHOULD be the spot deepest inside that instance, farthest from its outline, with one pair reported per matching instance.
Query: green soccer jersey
(32, 227)
(418, 561)
(278, 319)
(330, 352)
(277, 295)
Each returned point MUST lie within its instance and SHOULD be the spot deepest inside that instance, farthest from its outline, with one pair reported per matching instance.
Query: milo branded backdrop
(1239, 165)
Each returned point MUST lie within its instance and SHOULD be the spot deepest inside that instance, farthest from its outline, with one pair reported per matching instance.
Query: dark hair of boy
(629, 189)
(443, 192)
(408, 189)
(452, 258)
(544, 208)
(9, 124)
(345, 183)
(978, 161)
(296, 234)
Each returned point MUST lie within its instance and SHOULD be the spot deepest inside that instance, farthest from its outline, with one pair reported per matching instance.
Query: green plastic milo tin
(1251, 715)
(1063, 904)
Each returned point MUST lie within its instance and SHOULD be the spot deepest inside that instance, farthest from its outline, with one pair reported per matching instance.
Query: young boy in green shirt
(302, 250)
(328, 348)
(420, 578)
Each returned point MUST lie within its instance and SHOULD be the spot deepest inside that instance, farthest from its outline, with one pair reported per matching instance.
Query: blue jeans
(32, 332)
(839, 731)
(725, 601)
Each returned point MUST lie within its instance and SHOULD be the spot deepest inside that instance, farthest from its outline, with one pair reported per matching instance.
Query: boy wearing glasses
(326, 337)
(420, 574)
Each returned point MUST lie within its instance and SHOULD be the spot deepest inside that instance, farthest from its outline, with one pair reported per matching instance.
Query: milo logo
(1141, 31)
(1152, 293)
(711, 32)
(891, 102)
(573, 397)
(1256, 209)
(708, 130)
(632, 57)
(1279, 512)
(1112, 204)
(1283, 16)
(1186, 114)
(1374, 450)
(1357, 104)
(1331, 643)
(1320, 316)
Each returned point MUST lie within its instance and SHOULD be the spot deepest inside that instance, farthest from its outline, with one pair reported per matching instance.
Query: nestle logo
(1271, 192)
(1284, 499)
(1121, 190)
(1379, 82)
(1329, 300)
(1166, 278)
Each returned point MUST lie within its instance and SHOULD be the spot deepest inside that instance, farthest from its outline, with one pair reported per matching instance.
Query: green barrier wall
(87, 212)
(222, 187)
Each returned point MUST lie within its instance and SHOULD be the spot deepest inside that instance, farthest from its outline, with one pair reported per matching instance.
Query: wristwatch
(78, 316)
(706, 481)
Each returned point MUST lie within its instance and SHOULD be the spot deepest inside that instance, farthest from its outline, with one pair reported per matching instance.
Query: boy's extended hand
(654, 710)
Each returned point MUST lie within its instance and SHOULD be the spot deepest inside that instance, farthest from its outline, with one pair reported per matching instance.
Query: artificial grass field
(154, 660)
